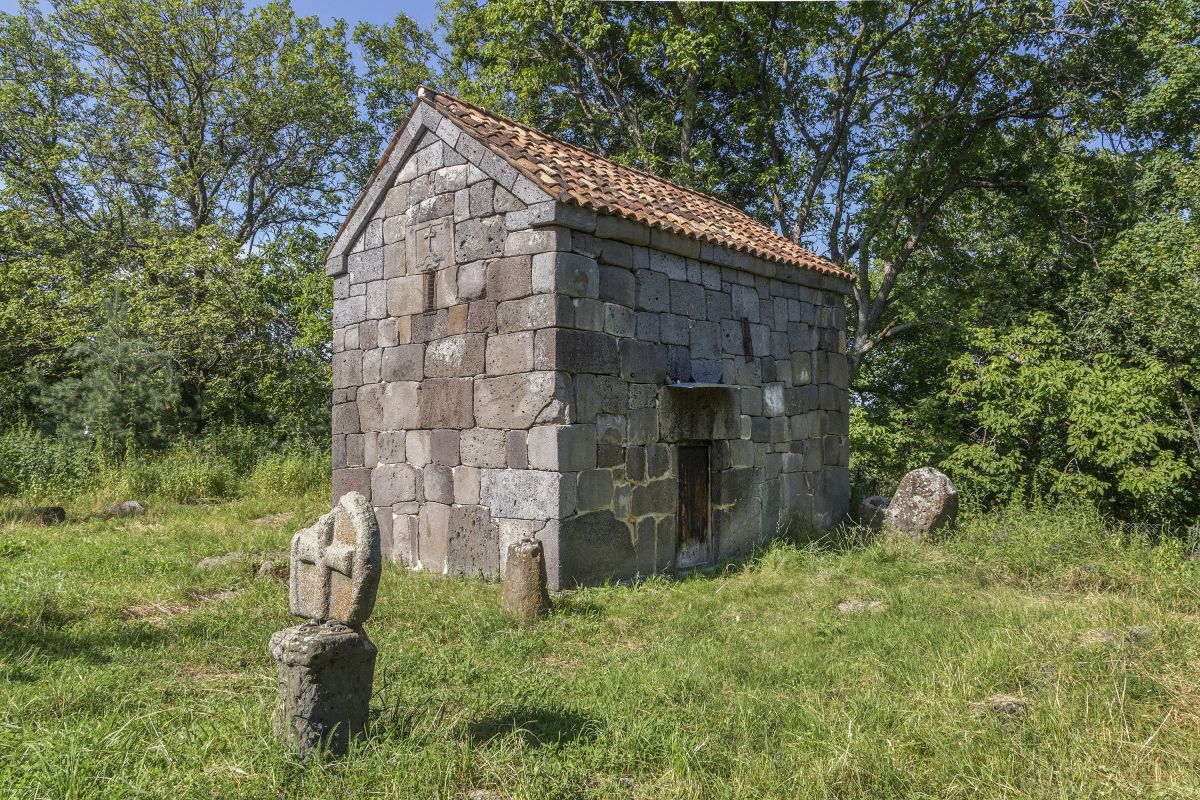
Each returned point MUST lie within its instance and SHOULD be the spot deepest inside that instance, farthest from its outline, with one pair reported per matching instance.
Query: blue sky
(423, 11)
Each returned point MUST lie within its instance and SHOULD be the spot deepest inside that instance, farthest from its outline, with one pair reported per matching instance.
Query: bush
(37, 465)
(183, 475)
(295, 473)
(239, 446)
(220, 464)
(1074, 547)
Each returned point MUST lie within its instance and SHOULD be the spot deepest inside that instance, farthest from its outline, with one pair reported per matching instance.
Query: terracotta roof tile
(572, 175)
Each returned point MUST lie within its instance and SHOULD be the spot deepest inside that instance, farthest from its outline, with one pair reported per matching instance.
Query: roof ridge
(765, 243)
(589, 153)
(573, 175)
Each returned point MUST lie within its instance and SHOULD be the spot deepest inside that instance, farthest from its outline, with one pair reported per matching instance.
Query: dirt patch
(1004, 707)
(159, 613)
(855, 605)
(1097, 637)
(1105, 637)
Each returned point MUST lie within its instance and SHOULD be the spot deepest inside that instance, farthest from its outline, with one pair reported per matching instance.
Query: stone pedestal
(325, 674)
(524, 596)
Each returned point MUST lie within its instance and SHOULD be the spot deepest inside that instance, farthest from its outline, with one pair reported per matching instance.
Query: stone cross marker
(327, 665)
(335, 565)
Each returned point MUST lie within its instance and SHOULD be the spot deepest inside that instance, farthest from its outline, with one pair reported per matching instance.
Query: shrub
(294, 473)
(37, 465)
(1073, 546)
(182, 475)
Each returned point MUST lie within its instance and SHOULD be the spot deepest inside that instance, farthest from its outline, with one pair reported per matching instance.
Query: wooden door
(694, 531)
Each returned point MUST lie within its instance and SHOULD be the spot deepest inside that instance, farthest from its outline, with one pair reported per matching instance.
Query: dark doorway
(695, 530)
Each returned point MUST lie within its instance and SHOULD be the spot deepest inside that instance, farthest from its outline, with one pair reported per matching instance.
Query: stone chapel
(530, 339)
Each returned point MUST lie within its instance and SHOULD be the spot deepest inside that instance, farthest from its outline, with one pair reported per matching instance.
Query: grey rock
(126, 508)
(1139, 633)
(273, 569)
(47, 515)
(524, 595)
(1006, 708)
(222, 560)
(325, 676)
(925, 502)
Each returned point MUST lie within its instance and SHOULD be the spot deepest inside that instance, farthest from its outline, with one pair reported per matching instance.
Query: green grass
(126, 672)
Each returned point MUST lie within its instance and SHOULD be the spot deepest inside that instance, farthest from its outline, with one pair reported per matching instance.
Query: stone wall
(656, 310)
(436, 378)
(499, 369)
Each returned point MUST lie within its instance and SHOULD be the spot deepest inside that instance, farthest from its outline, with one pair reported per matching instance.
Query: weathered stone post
(327, 665)
(524, 596)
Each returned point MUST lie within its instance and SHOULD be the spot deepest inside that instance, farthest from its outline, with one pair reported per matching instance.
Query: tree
(193, 153)
(125, 394)
(849, 128)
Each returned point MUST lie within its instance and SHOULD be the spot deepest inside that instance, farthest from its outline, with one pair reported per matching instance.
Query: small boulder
(871, 512)
(48, 515)
(1005, 707)
(127, 508)
(925, 502)
(1139, 633)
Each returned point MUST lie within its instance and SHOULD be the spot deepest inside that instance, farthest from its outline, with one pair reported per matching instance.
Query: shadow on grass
(537, 727)
(47, 633)
(576, 605)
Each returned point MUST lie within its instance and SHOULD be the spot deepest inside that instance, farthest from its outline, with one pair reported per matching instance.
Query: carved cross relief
(336, 564)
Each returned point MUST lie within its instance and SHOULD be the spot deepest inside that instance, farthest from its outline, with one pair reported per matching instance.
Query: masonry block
(455, 356)
(575, 351)
(518, 401)
(510, 353)
(568, 448)
(445, 403)
(527, 493)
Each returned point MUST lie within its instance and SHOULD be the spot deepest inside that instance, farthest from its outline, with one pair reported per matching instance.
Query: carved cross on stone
(336, 564)
(430, 236)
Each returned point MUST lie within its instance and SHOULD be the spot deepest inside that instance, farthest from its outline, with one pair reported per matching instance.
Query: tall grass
(221, 465)
(129, 673)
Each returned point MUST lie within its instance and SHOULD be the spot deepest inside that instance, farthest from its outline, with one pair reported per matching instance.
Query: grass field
(1003, 665)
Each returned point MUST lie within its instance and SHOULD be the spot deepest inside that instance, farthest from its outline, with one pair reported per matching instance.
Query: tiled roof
(572, 175)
